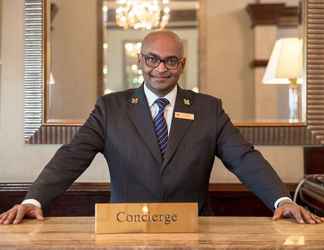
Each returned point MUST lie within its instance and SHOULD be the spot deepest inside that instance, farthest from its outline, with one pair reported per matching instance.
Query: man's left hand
(292, 210)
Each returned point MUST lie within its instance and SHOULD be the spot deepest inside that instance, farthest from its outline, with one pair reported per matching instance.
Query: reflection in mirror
(282, 84)
(238, 48)
(285, 67)
(132, 74)
(105, 51)
(86, 44)
(122, 45)
(72, 80)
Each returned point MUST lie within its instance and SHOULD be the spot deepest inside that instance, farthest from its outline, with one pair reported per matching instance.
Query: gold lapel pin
(186, 102)
(134, 100)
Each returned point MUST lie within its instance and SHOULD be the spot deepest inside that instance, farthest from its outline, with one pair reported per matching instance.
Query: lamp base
(293, 102)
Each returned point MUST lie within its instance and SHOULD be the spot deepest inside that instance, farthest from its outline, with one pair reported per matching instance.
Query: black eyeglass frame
(160, 60)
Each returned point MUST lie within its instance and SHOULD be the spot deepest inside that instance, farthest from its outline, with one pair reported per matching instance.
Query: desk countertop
(214, 233)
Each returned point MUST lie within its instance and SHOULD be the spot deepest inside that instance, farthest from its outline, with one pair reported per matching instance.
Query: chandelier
(142, 14)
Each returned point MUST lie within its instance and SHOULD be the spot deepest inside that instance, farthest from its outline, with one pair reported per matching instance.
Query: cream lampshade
(285, 67)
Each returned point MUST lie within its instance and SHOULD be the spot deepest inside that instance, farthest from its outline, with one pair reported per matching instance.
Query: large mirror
(78, 50)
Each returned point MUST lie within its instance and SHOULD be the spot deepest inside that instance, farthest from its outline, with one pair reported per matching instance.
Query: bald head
(161, 61)
(165, 37)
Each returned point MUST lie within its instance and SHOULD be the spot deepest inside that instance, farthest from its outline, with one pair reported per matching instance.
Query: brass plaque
(146, 218)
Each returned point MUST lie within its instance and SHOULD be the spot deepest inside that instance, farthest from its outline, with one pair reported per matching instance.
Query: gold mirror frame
(36, 131)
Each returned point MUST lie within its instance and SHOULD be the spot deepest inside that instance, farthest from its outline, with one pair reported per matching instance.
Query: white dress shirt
(168, 112)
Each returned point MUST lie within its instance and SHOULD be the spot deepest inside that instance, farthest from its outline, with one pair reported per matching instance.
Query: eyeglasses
(154, 61)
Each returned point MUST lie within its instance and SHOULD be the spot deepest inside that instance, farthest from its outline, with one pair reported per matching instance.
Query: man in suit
(160, 142)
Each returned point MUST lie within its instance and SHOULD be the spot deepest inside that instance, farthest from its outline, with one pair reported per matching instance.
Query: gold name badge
(146, 218)
(185, 116)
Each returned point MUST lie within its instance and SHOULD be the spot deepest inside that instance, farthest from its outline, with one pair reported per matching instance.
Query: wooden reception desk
(214, 233)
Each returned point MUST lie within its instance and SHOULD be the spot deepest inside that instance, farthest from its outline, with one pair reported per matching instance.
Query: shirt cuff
(280, 200)
(33, 202)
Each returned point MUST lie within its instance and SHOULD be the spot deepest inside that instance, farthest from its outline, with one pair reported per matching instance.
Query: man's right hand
(16, 214)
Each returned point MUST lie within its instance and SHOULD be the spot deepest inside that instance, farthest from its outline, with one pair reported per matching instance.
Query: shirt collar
(151, 97)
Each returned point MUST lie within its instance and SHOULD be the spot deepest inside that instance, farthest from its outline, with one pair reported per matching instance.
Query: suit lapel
(179, 126)
(141, 117)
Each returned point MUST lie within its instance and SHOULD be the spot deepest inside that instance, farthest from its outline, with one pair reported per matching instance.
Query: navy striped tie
(160, 125)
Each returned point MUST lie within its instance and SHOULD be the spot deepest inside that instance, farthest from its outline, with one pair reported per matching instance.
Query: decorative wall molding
(53, 134)
(279, 135)
(315, 67)
(34, 69)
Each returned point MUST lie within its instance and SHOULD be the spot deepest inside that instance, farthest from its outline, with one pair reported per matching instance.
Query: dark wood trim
(313, 160)
(237, 187)
(224, 199)
(104, 187)
(76, 187)
(258, 63)
(274, 14)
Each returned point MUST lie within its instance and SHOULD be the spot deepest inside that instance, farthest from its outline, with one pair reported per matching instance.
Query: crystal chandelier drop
(142, 14)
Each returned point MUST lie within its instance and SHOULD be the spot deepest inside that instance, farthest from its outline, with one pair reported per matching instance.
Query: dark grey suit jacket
(122, 130)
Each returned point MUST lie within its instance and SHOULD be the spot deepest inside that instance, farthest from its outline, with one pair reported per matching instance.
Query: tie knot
(162, 102)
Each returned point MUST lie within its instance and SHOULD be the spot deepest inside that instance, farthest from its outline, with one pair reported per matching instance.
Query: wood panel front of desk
(79, 200)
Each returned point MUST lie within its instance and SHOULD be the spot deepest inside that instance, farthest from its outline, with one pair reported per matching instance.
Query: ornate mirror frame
(36, 131)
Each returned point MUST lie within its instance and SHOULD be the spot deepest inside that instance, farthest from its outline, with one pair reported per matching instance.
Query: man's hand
(16, 214)
(289, 209)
